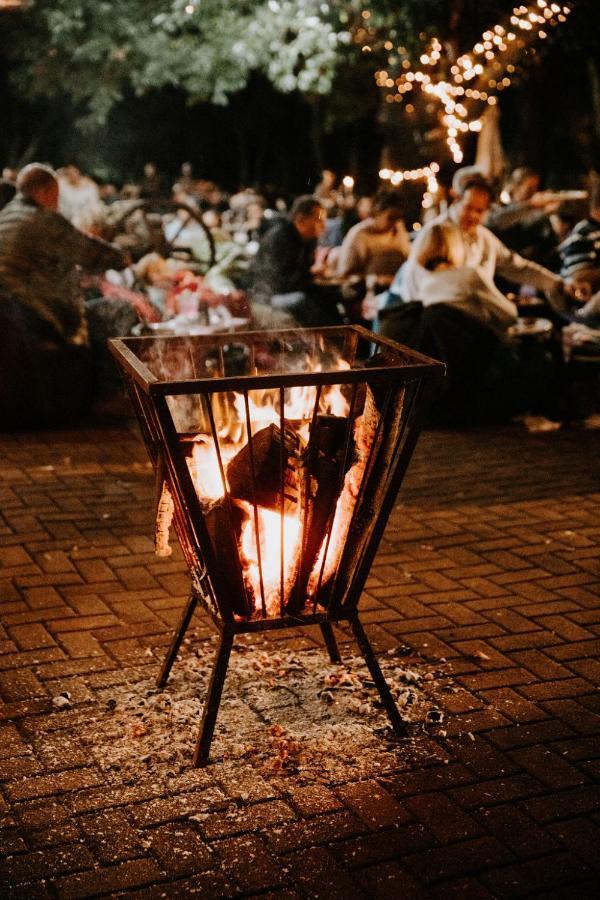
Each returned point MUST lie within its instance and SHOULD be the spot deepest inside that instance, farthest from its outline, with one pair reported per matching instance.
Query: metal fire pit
(331, 472)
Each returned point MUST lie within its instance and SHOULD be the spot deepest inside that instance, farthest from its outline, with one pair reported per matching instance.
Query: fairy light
(426, 174)
(477, 76)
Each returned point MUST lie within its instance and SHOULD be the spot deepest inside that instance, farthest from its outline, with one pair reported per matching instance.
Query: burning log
(254, 473)
(323, 461)
(255, 480)
(224, 521)
(376, 486)
(312, 480)
(366, 430)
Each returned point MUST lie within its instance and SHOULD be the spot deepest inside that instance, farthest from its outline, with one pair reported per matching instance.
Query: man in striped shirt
(580, 251)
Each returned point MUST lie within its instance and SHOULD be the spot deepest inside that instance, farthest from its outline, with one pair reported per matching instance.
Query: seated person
(479, 249)
(180, 228)
(326, 191)
(379, 244)
(151, 186)
(468, 289)
(282, 272)
(79, 197)
(332, 235)
(485, 375)
(562, 221)
(521, 218)
(45, 365)
(580, 249)
(250, 223)
(185, 181)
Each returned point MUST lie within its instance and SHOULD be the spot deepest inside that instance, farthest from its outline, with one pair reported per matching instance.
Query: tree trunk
(594, 73)
(533, 137)
(242, 151)
(316, 133)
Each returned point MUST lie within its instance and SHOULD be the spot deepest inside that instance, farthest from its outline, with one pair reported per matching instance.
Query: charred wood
(224, 522)
(323, 461)
(254, 473)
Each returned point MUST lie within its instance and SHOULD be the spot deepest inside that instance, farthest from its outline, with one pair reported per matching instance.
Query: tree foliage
(94, 50)
(95, 53)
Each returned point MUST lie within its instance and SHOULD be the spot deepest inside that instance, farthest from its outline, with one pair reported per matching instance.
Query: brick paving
(489, 563)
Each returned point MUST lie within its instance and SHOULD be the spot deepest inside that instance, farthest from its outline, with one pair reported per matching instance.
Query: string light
(485, 70)
(425, 173)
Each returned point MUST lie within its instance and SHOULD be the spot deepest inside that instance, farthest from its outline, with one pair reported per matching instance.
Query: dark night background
(547, 121)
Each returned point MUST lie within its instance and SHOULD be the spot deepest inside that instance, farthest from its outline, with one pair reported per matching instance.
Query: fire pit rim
(412, 363)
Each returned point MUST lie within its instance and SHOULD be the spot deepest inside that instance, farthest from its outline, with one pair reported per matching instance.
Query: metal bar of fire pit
(219, 672)
(261, 578)
(397, 471)
(381, 684)
(330, 642)
(213, 697)
(354, 462)
(186, 618)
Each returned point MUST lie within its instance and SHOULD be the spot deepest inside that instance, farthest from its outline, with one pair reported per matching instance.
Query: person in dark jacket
(282, 274)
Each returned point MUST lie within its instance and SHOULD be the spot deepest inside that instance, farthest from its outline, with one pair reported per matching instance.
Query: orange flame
(230, 417)
(269, 527)
(204, 468)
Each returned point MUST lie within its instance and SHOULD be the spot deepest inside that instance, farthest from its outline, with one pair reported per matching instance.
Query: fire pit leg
(213, 698)
(331, 643)
(398, 724)
(177, 639)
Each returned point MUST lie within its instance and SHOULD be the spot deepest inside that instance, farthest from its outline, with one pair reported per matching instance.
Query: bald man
(41, 253)
(45, 373)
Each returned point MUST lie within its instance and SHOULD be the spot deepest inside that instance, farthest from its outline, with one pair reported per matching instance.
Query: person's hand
(547, 201)
(369, 307)
(319, 267)
(591, 308)
(577, 289)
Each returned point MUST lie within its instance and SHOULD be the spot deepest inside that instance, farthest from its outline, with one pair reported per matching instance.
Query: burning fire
(204, 467)
(269, 526)
(271, 557)
(231, 419)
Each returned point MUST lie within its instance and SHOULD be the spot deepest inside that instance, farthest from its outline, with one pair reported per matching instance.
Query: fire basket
(278, 457)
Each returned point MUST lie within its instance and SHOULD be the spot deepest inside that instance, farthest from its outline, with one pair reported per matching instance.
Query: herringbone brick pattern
(489, 567)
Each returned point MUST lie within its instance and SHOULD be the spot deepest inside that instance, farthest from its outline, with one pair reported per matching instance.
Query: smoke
(174, 359)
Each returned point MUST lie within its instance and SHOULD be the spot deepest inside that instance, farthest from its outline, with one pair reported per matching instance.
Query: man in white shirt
(487, 377)
(480, 249)
(79, 197)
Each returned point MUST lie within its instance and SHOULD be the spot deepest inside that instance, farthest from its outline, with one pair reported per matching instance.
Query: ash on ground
(284, 713)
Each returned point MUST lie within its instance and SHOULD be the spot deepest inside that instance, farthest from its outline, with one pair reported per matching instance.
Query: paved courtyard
(484, 596)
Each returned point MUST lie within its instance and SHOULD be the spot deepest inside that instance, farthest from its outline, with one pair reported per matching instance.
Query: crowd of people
(82, 262)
